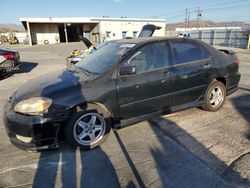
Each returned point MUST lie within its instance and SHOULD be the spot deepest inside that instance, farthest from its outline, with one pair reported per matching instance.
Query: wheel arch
(206, 105)
(222, 80)
(100, 107)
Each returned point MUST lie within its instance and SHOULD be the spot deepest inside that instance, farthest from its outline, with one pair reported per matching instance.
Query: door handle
(184, 76)
(207, 65)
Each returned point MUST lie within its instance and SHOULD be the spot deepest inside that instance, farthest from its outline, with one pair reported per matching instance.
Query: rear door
(192, 69)
(150, 89)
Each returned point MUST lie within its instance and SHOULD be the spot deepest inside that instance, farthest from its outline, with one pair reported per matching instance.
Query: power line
(177, 16)
(166, 14)
(217, 6)
(222, 18)
(227, 6)
(224, 3)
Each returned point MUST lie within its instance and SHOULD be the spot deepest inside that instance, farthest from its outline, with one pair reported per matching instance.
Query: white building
(56, 30)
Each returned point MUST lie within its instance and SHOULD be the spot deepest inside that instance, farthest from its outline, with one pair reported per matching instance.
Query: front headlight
(33, 106)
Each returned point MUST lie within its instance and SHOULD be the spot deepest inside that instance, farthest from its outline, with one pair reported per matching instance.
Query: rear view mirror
(128, 70)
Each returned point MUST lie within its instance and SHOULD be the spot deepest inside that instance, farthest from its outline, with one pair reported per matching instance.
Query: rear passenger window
(184, 52)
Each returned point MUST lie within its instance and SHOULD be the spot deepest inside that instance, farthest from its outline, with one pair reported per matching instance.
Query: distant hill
(207, 23)
(11, 28)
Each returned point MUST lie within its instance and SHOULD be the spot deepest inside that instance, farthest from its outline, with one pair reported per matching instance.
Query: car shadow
(193, 165)
(200, 171)
(61, 169)
(25, 67)
(93, 167)
(242, 105)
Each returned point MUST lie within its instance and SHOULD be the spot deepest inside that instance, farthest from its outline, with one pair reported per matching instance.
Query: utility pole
(186, 19)
(199, 11)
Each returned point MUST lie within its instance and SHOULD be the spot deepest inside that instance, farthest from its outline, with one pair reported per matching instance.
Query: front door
(150, 89)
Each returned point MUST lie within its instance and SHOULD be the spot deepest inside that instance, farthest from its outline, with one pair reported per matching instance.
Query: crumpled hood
(53, 85)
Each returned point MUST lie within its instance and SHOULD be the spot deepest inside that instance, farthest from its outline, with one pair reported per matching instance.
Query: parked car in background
(9, 61)
(184, 35)
(121, 83)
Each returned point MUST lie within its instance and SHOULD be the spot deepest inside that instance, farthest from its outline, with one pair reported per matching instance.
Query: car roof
(153, 39)
(141, 41)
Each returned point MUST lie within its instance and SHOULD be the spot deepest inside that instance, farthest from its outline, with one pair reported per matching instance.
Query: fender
(101, 108)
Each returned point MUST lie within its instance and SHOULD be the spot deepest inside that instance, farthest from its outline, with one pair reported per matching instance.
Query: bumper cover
(30, 132)
(233, 82)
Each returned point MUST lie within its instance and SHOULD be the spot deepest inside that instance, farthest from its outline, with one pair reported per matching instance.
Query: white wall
(51, 37)
(42, 32)
(117, 27)
(21, 36)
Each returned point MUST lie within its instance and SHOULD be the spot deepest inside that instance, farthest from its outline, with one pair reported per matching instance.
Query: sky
(172, 11)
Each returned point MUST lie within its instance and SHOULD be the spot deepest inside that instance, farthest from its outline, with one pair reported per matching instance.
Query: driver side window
(138, 60)
(150, 57)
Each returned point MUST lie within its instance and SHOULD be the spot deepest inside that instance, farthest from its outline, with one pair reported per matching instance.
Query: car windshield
(104, 44)
(100, 61)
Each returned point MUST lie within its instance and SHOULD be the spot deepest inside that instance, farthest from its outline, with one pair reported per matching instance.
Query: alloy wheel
(89, 129)
(216, 97)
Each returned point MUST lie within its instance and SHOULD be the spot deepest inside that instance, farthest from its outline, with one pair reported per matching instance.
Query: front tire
(87, 129)
(215, 96)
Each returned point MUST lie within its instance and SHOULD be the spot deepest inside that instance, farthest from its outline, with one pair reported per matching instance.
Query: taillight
(9, 56)
(237, 61)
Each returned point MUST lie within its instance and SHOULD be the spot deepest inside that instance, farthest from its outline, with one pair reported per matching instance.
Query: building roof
(86, 19)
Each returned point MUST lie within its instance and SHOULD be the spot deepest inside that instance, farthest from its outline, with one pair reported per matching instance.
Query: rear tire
(87, 129)
(215, 96)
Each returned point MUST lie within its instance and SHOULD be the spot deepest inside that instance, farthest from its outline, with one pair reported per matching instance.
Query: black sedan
(122, 83)
(9, 61)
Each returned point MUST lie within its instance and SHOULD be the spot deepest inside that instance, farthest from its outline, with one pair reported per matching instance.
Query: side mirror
(127, 70)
